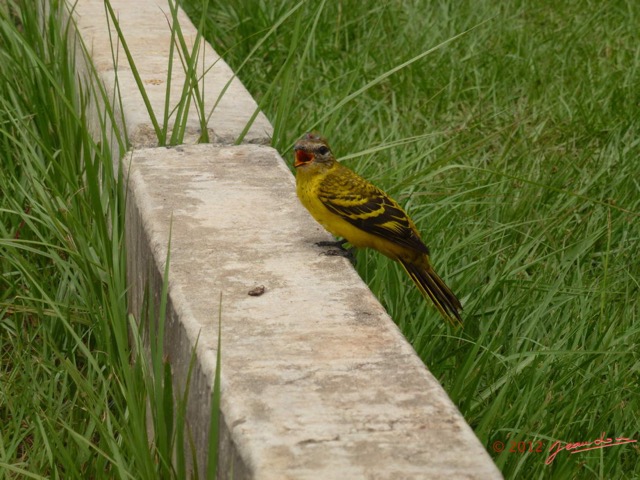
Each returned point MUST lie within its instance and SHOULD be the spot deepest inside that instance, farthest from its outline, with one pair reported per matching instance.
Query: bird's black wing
(368, 208)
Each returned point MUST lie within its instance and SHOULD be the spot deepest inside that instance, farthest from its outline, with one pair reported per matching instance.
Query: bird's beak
(303, 158)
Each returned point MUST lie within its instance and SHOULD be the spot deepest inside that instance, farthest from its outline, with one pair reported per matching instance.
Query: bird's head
(312, 149)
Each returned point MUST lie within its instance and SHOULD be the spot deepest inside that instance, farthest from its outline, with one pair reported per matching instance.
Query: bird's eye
(323, 150)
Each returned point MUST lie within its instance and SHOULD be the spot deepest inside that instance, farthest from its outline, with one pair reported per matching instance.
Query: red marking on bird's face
(303, 158)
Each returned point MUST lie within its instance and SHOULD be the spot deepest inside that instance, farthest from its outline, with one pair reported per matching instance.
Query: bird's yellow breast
(308, 181)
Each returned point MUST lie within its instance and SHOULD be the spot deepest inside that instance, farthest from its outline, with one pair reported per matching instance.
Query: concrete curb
(145, 25)
(317, 381)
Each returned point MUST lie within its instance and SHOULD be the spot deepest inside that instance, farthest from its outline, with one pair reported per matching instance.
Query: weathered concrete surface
(318, 382)
(146, 26)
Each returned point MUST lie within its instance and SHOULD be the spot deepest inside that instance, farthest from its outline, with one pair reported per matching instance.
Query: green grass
(514, 146)
(515, 149)
(78, 396)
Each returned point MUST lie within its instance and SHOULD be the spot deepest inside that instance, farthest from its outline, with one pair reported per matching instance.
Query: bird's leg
(338, 249)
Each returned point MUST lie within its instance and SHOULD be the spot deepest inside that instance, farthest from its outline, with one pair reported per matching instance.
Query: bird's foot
(338, 250)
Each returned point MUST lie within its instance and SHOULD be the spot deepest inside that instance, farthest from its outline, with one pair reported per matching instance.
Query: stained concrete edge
(317, 380)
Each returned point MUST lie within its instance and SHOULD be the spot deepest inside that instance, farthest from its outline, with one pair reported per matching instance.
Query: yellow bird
(350, 207)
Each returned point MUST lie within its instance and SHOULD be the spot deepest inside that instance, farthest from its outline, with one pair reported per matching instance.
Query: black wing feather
(369, 209)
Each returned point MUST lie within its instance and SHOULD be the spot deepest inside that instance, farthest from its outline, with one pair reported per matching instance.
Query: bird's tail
(434, 288)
